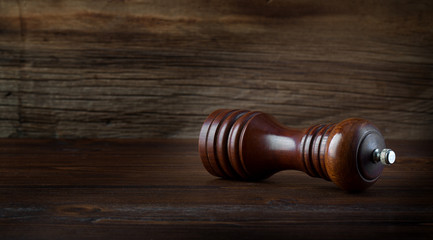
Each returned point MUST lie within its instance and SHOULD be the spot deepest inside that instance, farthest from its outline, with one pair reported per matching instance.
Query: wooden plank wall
(156, 68)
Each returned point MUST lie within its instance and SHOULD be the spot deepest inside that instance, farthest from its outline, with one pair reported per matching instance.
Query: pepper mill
(252, 145)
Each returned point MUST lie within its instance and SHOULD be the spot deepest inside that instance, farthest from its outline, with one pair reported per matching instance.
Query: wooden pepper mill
(251, 145)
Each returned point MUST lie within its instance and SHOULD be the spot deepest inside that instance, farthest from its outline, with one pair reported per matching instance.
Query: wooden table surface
(158, 189)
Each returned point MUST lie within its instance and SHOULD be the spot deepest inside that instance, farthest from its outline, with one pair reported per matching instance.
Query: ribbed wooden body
(250, 145)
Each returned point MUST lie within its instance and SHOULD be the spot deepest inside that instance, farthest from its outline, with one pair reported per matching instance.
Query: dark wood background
(156, 68)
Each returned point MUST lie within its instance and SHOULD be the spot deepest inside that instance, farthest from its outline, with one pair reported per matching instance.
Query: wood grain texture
(157, 68)
(158, 189)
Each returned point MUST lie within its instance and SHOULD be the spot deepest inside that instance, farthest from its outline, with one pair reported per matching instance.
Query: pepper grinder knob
(386, 156)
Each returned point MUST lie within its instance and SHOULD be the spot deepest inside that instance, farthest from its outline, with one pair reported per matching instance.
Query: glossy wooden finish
(158, 189)
(252, 145)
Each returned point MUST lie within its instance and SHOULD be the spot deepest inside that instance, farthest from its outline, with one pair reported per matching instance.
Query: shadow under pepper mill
(251, 145)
